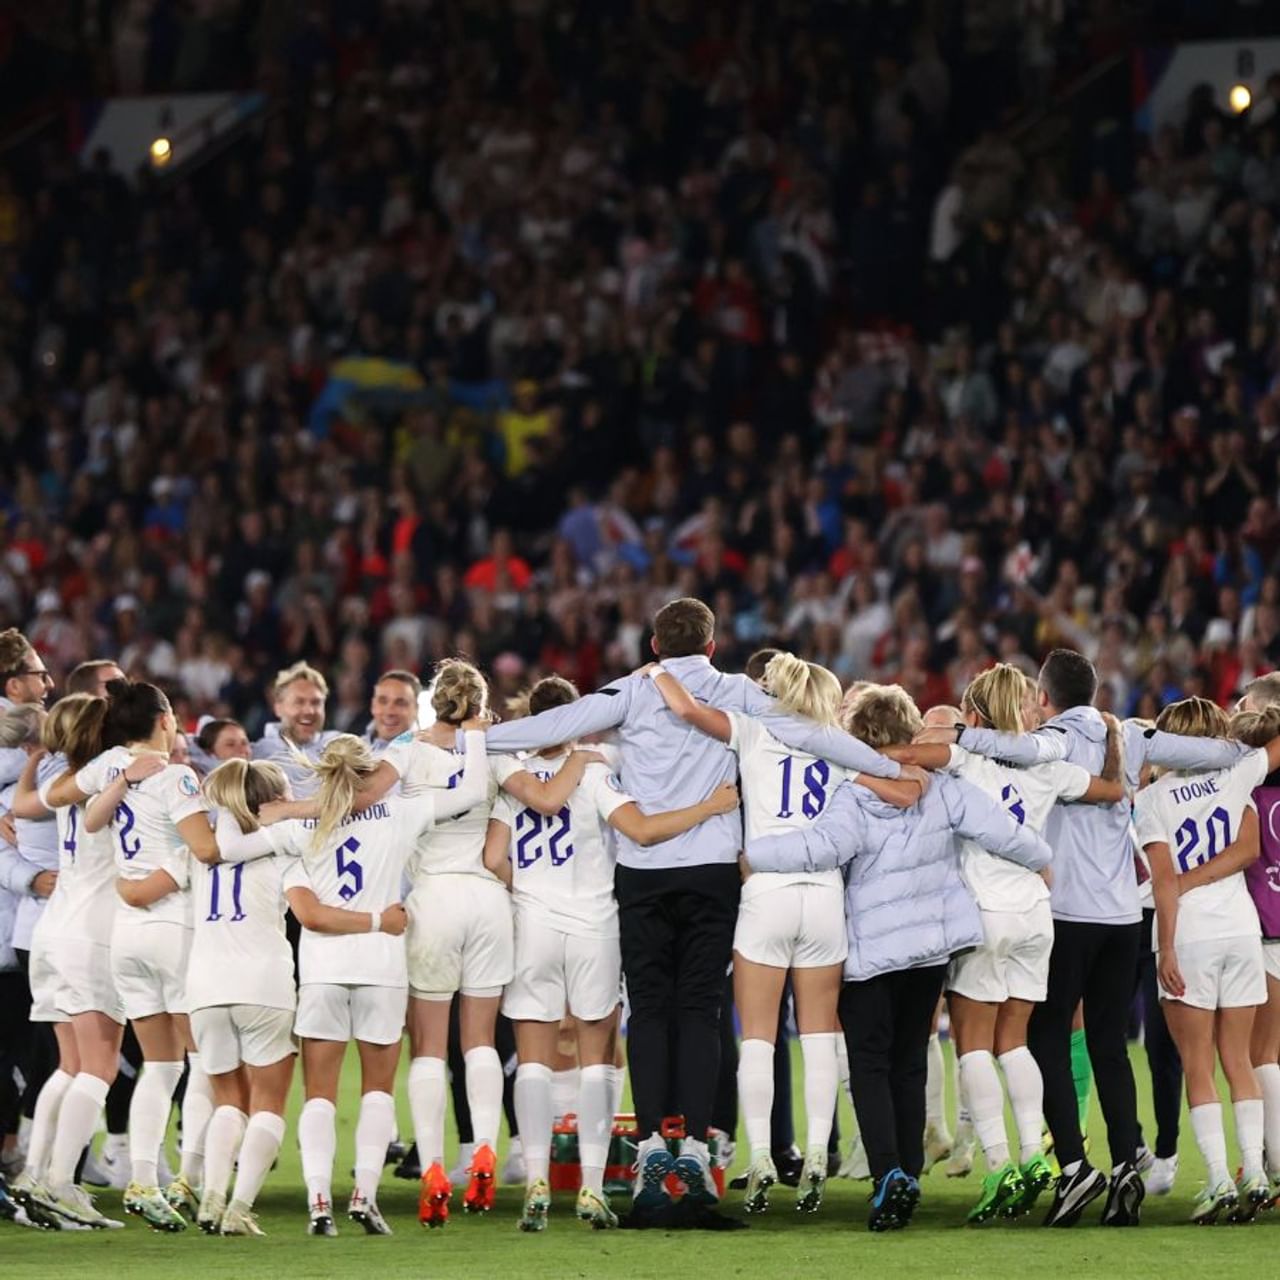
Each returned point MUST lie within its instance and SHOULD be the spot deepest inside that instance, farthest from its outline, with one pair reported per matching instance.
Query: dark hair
(757, 663)
(207, 738)
(405, 677)
(683, 627)
(1068, 679)
(551, 691)
(133, 707)
(84, 677)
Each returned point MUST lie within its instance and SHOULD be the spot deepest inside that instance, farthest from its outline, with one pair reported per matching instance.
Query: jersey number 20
(1217, 832)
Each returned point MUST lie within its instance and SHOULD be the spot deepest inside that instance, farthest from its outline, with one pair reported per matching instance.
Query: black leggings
(1162, 1054)
(1095, 963)
(886, 1023)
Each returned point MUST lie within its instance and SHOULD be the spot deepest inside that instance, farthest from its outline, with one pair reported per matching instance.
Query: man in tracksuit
(1097, 918)
(678, 901)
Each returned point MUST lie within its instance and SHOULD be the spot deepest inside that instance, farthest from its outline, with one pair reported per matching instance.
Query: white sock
(1206, 1121)
(1025, 1085)
(595, 1125)
(484, 1094)
(821, 1085)
(262, 1138)
(564, 1091)
(428, 1088)
(935, 1089)
(755, 1093)
(44, 1121)
(981, 1085)
(197, 1111)
(1269, 1081)
(1249, 1113)
(149, 1117)
(533, 1094)
(375, 1128)
(618, 1084)
(77, 1119)
(318, 1143)
(221, 1143)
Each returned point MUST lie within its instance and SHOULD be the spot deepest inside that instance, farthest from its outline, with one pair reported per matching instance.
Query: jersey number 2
(126, 819)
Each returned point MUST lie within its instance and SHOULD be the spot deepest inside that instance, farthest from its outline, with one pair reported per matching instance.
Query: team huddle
(1021, 861)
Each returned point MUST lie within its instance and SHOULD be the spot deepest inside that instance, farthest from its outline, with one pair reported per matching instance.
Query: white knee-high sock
(375, 1129)
(197, 1111)
(935, 1089)
(428, 1088)
(534, 1112)
(44, 1121)
(618, 1085)
(1025, 1086)
(318, 1143)
(1250, 1122)
(77, 1119)
(1206, 1122)
(821, 1085)
(262, 1138)
(149, 1117)
(1269, 1081)
(981, 1084)
(755, 1093)
(595, 1125)
(484, 1094)
(564, 1091)
(221, 1143)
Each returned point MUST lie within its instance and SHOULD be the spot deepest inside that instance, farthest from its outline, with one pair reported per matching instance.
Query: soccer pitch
(781, 1244)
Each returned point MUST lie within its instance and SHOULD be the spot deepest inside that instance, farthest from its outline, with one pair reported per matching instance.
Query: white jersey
(358, 870)
(144, 829)
(782, 789)
(53, 922)
(1198, 815)
(86, 876)
(562, 865)
(1028, 796)
(456, 846)
(239, 953)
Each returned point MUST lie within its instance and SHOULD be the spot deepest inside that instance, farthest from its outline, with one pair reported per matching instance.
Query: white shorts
(1221, 973)
(558, 971)
(45, 982)
(149, 966)
(1013, 961)
(795, 926)
(229, 1034)
(87, 985)
(1271, 959)
(330, 1011)
(459, 937)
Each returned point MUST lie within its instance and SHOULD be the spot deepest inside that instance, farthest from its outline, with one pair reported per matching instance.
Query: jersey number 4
(349, 869)
(1191, 851)
(536, 835)
(215, 892)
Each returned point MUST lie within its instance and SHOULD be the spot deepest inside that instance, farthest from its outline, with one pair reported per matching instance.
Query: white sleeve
(93, 777)
(1070, 781)
(741, 732)
(295, 876)
(183, 796)
(285, 837)
(1252, 770)
(960, 760)
(235, 845)
(42, 791)
(1147, 819)
(501, 767)
(504, 809)
(606, 791)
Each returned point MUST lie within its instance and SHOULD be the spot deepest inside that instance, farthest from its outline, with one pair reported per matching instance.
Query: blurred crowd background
(761, 302)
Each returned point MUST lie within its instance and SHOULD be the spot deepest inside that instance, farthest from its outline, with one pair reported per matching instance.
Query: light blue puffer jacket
(906, 904)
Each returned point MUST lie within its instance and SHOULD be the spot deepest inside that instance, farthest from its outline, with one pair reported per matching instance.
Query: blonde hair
(1255, 728)
(883, 716)
(64, 715)
(1264, 692)
(14, 648)
(458, 692)
(343, 765)
(1194, 718)
(20, 726)
(803, 688)
(996, 695)
(242, 787)
(299, 671)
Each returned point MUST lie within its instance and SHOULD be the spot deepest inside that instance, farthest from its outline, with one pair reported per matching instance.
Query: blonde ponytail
(342, 767)
(242, 787)
(1194, 718)
(458, 692)
(803, 688)
(1255, 728)
(995, 697)
(62, 719)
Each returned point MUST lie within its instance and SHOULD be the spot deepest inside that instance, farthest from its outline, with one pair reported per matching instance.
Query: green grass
(833, 1243)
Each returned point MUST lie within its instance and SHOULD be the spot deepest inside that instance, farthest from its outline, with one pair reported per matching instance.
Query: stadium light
(161, 152)
(1240, 97)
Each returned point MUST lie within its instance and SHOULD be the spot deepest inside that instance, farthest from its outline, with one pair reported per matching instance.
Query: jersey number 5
(349, 868)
